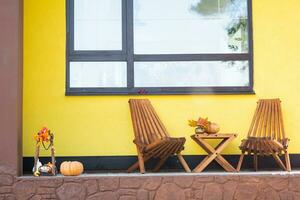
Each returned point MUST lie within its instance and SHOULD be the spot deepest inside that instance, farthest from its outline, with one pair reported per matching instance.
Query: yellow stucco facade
(101, 125)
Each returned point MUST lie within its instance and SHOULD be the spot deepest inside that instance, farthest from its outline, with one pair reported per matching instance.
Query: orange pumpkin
(71, 168)
(213, 128)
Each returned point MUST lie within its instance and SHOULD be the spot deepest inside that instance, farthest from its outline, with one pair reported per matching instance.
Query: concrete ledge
(162, 174)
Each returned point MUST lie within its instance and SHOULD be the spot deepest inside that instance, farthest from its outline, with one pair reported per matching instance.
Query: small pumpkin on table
(203, 126)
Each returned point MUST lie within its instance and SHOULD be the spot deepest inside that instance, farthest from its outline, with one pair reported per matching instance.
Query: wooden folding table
(214, 153)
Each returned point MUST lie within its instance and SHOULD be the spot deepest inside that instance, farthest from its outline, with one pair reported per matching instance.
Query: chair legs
(278, 161)
(141, 163)
(285, 167)
(238, 168)
(180, 158)
(160, 163)
(255, 161)
(287, 161)
(183, 163)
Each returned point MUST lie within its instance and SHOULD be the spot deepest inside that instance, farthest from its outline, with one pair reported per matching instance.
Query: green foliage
(206, 7)
(233, 28)
(210, 7)
(236, 26)
(213, 7)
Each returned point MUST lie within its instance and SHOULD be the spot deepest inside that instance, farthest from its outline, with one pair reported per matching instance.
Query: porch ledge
(168, 174)
(156, 186)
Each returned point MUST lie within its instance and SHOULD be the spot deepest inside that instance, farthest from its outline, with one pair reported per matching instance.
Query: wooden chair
(151, 137)
(266, 135)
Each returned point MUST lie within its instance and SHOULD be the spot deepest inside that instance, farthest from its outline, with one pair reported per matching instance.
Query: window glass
(98, 24)
(180, 46)
(98, 74)
(190, 26)
(191, 74)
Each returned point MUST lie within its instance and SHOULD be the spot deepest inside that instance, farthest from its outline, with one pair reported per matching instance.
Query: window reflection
(190, 26)
(191, 74)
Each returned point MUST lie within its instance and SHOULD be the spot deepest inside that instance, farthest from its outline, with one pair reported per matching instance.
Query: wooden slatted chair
(151, 137)
(266, 135)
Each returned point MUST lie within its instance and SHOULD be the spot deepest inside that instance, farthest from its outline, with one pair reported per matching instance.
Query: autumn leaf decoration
(42, 136)
(203, 125)
(192, 123)
(202, 122)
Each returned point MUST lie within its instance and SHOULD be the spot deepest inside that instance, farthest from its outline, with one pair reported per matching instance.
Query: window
(159, 47)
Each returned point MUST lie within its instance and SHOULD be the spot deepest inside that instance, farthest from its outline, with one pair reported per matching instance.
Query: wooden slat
(181, 146)
(254, 119)
(275, 142)
(140, 133)
(277, 123)
(134, 123)
(166, 149)
(268, 148)
(151, 120)
(273, 130)
(158, 149)
(153, 145)
(155, 120)
(281, 122)
(149, 124)
(261, 120)
(212, 136)
(257, 120)
(162, 127)
(172, 147)
(140, 125)
(265, 131)
(149, 131)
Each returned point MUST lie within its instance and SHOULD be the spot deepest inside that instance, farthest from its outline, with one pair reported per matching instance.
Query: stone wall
(147, 187)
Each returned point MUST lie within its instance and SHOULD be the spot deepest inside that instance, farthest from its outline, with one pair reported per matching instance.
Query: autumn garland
(44, 135)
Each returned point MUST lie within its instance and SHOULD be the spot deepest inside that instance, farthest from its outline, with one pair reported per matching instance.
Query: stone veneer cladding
(147, 187)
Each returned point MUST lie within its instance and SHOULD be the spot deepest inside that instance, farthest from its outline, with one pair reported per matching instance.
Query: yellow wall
(101, 125)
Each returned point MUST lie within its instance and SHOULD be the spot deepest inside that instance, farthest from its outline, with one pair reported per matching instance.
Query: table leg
(214, 154)
(205, 162)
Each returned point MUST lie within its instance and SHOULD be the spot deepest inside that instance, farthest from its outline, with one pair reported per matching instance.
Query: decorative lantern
(42, 138)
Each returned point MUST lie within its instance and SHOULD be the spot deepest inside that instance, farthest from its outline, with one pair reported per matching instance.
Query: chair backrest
(146, 123)
(267, 121)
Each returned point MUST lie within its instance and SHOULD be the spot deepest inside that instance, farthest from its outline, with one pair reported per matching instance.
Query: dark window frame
(127, 55)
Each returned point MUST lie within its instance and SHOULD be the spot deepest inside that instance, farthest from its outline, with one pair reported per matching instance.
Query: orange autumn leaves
(43, 135)
(204, 123)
